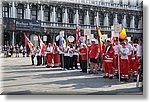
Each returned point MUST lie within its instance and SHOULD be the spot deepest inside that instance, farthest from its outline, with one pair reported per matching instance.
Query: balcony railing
(82, 26)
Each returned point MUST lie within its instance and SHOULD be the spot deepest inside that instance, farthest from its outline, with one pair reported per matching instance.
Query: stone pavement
(20, 77)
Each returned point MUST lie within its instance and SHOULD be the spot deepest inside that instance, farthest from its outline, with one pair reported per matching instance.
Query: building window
(59, 15)
(91, 17)
(101, 19)
(34, 14)
(71, 16)
(81, 17)
(47, 16)
(20, 13)
(5, 11)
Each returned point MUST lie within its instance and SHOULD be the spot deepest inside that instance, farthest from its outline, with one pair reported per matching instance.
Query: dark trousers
(39, 60)
(62, 60)
(84, 65)
(80, 61)
(32, 59)
(71, 62)
(44, 60)
(66, 62)
(75, 57)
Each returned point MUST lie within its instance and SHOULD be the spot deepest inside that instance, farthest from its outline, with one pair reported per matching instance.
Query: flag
(42, 45)
(99, 38)
(78, 37)
(62, 42)
(28, 42)
(99, 35)
(122, 34)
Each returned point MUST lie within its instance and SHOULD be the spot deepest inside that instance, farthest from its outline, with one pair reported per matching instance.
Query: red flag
(28, 42)
(42, 45)
(77, 34)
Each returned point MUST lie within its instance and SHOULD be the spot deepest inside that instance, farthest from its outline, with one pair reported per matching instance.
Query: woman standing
(32, 55)
(49, 55)
(38, 51)
(84, 52)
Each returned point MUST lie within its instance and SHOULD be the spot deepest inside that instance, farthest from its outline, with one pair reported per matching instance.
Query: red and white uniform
(124, 68)
(138, 56)
(115, 61)
(108, 61)
(130, 47)
(49, 55)
(56, 55)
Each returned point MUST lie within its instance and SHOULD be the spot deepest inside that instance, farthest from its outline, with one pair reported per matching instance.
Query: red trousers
(108, 70)
(124, 68)
(130, 62)
(49, 57)
(56, 60)
(136, 65)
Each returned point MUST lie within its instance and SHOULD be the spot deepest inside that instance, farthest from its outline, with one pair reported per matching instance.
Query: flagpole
(118, 61)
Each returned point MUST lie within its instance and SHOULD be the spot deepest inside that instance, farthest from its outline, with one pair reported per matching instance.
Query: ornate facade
(49, 17)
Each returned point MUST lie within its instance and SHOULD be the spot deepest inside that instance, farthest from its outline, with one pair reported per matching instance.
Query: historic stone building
(49, 17)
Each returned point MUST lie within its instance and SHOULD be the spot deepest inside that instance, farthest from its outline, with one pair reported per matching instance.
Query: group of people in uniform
(112, 58)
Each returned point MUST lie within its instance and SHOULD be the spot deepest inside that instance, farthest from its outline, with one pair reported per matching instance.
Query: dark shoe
(47, 66)
(111, 77)
(105, 76)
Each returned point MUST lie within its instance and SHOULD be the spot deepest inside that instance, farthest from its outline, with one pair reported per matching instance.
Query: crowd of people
(110, 58)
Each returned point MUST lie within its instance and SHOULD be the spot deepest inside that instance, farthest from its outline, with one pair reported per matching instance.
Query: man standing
(94, 54)
(129, 46)
(124, 68)
(17, 50)
(108, 60)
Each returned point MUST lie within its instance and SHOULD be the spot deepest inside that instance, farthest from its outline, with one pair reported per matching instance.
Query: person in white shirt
(33, 55)
(124, 68)
(75, 56)
(49, 55)
(61, 54)
(66, 57)
(38, 55)
(130, 47)
(71, 51)
(117, 48)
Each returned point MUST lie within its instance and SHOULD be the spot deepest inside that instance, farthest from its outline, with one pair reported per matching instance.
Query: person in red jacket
(108, 60)
(84, 52)
(94, 54)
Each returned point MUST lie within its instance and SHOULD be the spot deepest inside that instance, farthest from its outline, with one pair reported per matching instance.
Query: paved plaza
(20, 77)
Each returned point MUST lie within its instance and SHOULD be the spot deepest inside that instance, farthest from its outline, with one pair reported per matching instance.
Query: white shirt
(33, 52)
(38, 52)
(139, 50)
(49, 49)
(124, 51)
(71, 52)
(66, 51)
(75, 53)
(129, 46)
(116, 48)
(107, 49)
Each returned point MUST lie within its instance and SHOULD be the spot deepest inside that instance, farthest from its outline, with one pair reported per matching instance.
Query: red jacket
(109, 54)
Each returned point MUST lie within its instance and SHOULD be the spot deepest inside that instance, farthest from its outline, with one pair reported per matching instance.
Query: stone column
(13, 10)
(115, 20)
(124, 21)
(65, 16)
(132, 22)
(54, 14)
(140, 23)
(28, 12)
(87, 20)
(76, 18)
(96, 19)
(41, 14)
(106, 22)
